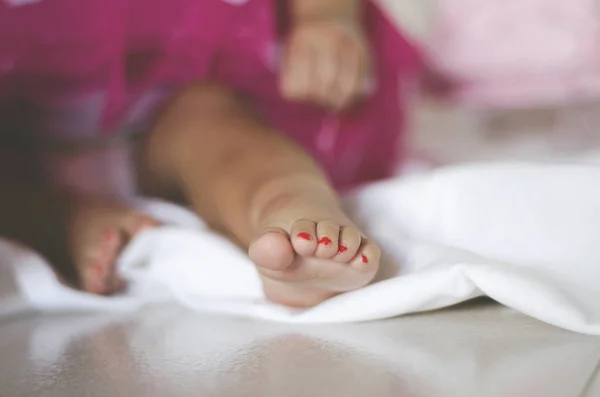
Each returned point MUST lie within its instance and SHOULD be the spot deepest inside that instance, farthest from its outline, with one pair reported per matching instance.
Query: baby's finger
(295, 74)
(327, 67)
(349, 76)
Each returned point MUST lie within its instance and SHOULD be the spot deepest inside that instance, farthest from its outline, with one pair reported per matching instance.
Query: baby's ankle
(290, 191)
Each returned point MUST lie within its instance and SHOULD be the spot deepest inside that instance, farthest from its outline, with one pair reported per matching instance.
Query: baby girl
(254, 136)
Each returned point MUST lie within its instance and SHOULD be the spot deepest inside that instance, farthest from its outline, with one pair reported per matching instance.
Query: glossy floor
(478, 349)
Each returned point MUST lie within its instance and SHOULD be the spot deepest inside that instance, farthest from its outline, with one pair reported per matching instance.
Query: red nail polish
(98, 269)
(364, 259)
(342, 249)
(305, 236)
(325, 241)
(108, 236)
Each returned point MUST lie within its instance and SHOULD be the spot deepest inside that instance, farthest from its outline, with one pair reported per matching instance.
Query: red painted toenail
(108, 236)
(364, 259)
(325, 241)
(342, 249)
(98, 268)
(305, 236)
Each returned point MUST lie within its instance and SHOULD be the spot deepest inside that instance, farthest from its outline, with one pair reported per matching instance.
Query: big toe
(272, 251)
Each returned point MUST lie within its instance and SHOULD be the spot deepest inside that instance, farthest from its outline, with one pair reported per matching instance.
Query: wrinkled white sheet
(525, 234)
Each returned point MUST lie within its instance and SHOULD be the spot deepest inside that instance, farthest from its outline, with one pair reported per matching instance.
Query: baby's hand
(327, 62)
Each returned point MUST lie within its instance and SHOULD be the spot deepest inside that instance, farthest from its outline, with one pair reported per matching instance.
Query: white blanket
(524, 234)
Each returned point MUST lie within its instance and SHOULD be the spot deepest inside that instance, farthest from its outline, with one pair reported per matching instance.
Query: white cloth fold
(524, 234)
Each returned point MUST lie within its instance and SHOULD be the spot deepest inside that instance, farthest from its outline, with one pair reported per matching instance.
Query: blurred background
(517, 79)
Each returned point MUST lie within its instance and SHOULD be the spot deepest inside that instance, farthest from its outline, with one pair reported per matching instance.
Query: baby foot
(98, 232)
(305, 261)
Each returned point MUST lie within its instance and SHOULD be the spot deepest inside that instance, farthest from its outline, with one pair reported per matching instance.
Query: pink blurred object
(519, 53)
(73, 70)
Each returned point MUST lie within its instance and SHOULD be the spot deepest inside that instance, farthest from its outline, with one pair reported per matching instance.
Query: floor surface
(480, 349)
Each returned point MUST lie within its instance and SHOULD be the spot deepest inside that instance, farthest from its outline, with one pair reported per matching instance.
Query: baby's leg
(80, 236)
(253, 184)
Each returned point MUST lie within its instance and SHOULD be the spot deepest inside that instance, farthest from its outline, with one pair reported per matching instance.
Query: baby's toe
(304, 237)
(97, 267)
(349, 244)
(272, 251)
(92, 277)
(367, 258)
(328, 234)
(115, 243)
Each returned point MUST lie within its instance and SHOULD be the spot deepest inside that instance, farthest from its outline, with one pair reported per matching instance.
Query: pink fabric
(72, 68)
(519, 52)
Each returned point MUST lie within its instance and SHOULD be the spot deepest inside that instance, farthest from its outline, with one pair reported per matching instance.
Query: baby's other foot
(98, 231)
(304, 261)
